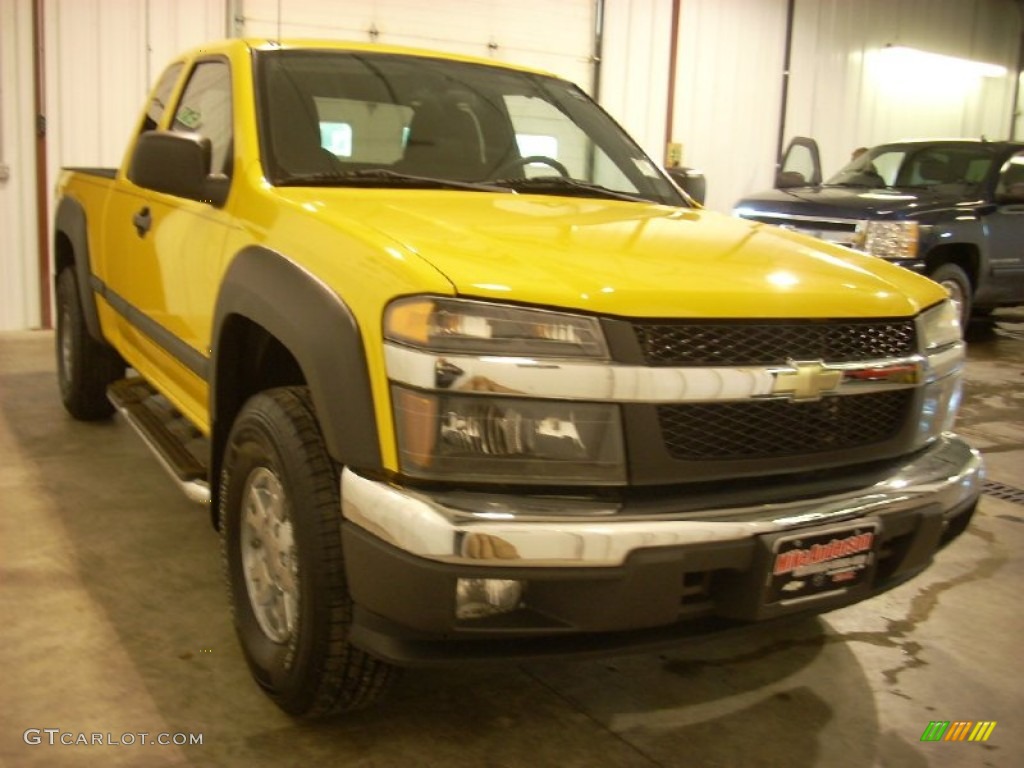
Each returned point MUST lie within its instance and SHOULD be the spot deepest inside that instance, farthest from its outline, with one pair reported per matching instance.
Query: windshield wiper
(562, 185)
(381, 177)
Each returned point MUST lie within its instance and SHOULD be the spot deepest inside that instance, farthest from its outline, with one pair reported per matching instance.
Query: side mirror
(177, 164)
(691, 181)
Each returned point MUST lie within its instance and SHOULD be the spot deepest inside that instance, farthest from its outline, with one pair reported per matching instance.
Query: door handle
(142, 220)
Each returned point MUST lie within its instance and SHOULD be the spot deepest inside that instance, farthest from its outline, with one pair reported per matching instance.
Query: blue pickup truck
(951, 210)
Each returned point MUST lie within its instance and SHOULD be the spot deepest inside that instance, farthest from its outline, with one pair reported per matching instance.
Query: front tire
(281, 543)
(85, 367)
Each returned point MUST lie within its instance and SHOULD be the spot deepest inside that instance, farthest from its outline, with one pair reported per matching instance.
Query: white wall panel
(635, 63)
(843, 94)
(102, 58)
(730, 69)
(19, 284)
(728, 93)
(173, 26)
(97, 73)
(553, 36)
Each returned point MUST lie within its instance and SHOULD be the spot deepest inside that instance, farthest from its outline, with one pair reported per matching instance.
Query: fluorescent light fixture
(912, 60)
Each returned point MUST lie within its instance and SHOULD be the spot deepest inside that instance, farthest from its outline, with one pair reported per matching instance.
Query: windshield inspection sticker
(190, 118)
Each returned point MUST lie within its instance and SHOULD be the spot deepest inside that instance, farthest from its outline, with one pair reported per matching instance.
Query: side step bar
(176, 443)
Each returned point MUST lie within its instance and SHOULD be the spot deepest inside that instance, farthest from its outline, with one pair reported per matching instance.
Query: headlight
(888, 239)
(939, 327)
(503, 439)
(495, 433)
(476, 327)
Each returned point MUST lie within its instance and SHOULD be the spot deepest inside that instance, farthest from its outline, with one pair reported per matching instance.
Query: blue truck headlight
(888, 239)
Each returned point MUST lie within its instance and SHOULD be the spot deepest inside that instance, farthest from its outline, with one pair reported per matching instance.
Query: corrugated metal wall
(101, 55)
(730, 73)
(728, 91)
(844, 93)
(19, 294)
(635, 69)
(554, 36)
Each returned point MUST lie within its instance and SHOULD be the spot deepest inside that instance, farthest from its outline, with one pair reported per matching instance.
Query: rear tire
(958, 285)
(85, 367)
(281, 543)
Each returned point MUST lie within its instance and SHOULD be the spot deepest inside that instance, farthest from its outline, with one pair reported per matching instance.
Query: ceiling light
(936, 64)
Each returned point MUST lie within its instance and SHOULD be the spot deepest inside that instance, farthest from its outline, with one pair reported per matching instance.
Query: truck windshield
(938, 166)
(341, 118)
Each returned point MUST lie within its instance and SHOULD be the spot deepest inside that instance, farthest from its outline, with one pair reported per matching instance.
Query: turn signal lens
(939, 326)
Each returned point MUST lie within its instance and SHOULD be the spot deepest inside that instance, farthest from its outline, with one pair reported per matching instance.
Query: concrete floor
(114, 621)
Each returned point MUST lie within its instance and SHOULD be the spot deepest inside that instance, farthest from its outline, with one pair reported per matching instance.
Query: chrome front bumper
(511, 531)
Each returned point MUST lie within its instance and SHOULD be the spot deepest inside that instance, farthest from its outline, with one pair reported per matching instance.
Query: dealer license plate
(820, 563)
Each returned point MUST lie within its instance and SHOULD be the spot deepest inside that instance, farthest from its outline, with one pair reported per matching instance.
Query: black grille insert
(774, 343)
(764, 429)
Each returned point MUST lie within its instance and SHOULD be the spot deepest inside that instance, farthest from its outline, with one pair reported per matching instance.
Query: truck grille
(764, 429)
(774, 343)
(838, 231)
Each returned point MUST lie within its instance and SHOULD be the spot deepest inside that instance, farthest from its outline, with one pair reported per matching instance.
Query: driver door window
(205, 108)
(1010, 188)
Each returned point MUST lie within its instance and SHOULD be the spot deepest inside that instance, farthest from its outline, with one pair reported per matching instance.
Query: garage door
(557, 37)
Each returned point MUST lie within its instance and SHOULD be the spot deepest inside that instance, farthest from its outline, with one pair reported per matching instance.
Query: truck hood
(854, 202)
(622, 258)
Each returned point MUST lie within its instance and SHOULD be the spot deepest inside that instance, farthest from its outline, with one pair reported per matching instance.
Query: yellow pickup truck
(462, 374)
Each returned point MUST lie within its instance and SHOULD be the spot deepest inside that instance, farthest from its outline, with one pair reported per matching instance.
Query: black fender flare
(70, 220)
(959, 242)
(319, 331)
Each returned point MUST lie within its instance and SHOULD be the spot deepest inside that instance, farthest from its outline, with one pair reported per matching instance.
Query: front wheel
(958, 285)
(281, 545)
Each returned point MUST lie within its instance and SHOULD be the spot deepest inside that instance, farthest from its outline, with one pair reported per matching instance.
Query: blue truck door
(1006, 233)
(800, 164)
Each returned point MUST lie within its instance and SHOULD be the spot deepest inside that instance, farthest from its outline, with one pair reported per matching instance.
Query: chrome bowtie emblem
(806, 381)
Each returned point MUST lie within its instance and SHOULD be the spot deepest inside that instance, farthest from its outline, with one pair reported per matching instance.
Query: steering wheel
(519, 162)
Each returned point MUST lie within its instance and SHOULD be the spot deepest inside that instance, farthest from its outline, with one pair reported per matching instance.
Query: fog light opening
(480, 598)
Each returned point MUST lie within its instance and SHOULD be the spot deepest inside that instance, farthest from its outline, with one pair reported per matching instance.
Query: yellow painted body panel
(618, 258)
(372, 245)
